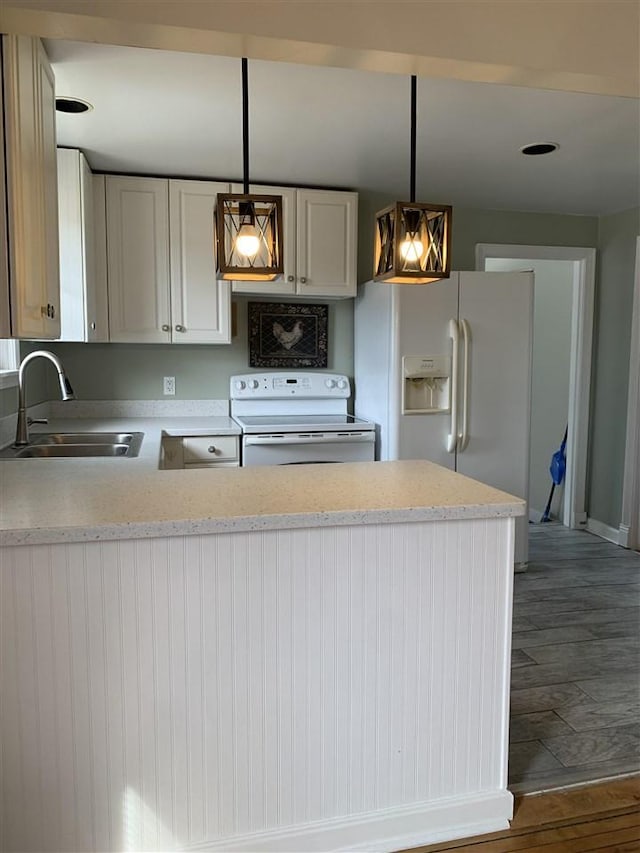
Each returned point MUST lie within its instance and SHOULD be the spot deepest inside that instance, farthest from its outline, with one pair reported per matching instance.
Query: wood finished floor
(575, 688)
(604, 817)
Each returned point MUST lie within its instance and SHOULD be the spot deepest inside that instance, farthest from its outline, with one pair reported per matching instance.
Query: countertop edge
(243, 524)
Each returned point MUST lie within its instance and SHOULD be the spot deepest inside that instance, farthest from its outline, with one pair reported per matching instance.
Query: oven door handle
(309, 438)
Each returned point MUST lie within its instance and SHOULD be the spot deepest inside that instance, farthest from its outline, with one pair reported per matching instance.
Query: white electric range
(292, 418)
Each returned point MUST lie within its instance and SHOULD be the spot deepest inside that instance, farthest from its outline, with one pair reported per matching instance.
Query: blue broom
(557, 470)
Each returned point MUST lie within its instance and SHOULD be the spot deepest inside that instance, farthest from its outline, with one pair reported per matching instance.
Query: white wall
(550, 379)
(617, 236)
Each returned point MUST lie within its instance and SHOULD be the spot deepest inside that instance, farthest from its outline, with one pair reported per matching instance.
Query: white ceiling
(170, 113)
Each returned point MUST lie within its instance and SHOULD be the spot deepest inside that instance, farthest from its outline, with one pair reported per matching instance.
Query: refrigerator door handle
(463, 438)
(454, 334)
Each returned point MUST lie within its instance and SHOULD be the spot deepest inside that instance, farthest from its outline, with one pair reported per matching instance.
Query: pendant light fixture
(248, 227)
(412, 240)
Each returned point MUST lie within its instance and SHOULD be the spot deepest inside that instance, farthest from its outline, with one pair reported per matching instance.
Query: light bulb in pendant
(411, 249)
(247, 241)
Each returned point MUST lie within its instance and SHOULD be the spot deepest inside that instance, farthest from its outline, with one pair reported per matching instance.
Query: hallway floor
(603, 817)
(575, 682)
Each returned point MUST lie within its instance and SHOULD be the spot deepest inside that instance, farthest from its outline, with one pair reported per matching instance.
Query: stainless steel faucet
(22, 427)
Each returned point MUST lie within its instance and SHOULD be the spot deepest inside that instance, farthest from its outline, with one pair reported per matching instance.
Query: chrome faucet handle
(37, 421)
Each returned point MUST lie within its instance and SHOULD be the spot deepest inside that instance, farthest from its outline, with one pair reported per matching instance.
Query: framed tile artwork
(287, 335)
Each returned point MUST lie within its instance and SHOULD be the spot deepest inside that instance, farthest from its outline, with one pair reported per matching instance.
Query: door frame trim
(584, 259)
(630, 522)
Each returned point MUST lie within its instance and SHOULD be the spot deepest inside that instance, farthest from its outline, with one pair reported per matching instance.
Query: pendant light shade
(248, 227)
(412, 243)
(249, 237)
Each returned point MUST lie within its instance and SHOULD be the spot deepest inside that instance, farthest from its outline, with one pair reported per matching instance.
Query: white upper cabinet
(327, 230)
(83, 289)
(320, 244)
(32, 192)
(138, 259)
(200, 304)
(160, 262)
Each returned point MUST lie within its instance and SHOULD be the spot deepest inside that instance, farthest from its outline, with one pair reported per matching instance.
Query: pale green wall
(8, 401)
(614, 301)
(37, 385)
(135, 371)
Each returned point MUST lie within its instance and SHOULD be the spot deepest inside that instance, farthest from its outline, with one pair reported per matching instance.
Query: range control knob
(342, 384)
(253, 383)
(330, 383)
(240, 385)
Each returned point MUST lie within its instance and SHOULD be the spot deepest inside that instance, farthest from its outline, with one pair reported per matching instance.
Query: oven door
(306, 448)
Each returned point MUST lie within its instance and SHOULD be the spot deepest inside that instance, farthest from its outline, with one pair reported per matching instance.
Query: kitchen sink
(127, 438)
(77, 444)
(62, 450)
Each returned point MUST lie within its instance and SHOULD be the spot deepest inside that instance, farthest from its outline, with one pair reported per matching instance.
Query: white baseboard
(535, 515)
(380, 831)
(623, 534)
(604, 531)
(627, 538)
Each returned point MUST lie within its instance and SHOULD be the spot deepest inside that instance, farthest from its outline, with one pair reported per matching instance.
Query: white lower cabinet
(320, 244)
(202, 451)
(161, 263)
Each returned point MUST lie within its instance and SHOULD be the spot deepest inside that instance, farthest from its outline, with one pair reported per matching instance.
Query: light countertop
(79, 500)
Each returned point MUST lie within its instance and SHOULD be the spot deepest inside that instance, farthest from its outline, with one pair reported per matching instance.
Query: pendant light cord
(245, 124)
(413, 138)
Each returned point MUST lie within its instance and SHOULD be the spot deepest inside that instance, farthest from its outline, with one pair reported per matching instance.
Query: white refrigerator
(444, 370)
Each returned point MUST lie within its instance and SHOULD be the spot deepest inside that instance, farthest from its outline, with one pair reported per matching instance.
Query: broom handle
(545, 515)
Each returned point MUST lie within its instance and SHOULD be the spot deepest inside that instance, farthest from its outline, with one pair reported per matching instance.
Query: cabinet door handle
(53, 312)
(180, 329)
(291, 278)
(211, 448)
(166, 327)
(303, 280)
(93, 327)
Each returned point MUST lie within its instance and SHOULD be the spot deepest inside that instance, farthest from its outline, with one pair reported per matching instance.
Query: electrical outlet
(169, 385)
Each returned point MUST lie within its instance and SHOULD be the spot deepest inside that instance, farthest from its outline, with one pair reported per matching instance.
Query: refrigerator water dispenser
(426, 384)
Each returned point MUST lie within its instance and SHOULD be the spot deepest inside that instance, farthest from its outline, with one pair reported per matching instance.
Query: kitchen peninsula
(278, 658)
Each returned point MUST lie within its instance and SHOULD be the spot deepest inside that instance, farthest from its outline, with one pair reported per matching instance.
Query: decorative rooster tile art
(287, 335)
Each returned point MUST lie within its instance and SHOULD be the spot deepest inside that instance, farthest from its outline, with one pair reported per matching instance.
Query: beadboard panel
(176, 693)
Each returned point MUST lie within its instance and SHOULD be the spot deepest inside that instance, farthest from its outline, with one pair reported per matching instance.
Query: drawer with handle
(209, 449)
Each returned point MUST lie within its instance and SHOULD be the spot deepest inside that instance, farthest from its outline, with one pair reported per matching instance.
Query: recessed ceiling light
(537, 148)
(72, 105)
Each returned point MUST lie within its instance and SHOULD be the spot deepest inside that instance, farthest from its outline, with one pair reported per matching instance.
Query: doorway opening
(563, 328)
